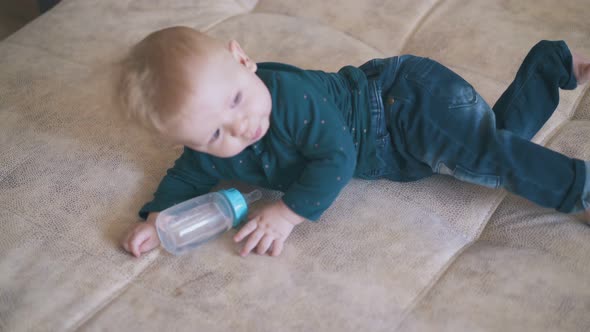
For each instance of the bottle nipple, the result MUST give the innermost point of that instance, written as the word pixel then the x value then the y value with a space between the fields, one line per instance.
pixel 252 196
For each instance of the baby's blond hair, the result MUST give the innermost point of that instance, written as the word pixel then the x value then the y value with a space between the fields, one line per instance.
pixel 154 77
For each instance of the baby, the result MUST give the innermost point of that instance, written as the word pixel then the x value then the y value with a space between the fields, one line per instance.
pixel 307 132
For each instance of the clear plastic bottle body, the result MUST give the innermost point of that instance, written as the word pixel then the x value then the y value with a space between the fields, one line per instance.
pixel 185 226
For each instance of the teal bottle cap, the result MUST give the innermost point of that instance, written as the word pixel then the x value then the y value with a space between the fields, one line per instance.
pixel 238 204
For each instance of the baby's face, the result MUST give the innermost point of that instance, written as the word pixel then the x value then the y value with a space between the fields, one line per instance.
pixel 228 108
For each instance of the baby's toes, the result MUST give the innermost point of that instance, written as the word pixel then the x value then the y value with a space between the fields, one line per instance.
pixel 581 66
pixel 585 77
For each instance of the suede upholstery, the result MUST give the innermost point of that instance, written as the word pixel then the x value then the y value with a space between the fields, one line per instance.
pixel 432 255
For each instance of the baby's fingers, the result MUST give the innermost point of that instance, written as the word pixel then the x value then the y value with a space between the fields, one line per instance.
pixel 136 241
pixel 246 229
pixel 125 241
pixel 264 244
pixel 252 242
pixel 277 247
pixel 149 244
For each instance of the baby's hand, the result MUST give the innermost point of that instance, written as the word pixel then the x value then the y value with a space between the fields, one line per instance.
pixel 268 227
pixel 142 237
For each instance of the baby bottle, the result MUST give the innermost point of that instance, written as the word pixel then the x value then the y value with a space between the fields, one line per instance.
pixel 184 226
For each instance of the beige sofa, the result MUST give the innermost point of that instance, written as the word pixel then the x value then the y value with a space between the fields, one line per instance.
pixel 433 255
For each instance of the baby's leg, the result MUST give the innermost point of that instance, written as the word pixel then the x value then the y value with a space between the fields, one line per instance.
pixel 532 97
pixel 464 142
pixel 450 128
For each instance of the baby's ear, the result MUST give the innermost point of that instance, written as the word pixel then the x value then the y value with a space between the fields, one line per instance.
pixel 239 55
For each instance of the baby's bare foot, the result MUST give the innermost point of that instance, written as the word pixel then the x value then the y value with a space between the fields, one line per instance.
pixel 581 68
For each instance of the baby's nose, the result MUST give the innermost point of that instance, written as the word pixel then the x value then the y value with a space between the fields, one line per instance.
pixel 239 128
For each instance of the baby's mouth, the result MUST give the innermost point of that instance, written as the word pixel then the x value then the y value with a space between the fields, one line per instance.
pixel 257 134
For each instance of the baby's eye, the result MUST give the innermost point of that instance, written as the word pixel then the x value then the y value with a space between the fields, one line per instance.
pixel 215 135
pixel 237 99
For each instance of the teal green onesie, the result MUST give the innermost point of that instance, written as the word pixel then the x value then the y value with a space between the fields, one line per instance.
pixel 320 136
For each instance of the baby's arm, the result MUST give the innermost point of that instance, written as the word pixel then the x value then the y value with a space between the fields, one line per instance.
pixel 268 228
pixel 314 127
pixel 142 237
pixel 183 181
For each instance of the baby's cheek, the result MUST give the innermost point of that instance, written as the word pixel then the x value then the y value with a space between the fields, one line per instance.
pixel 237 145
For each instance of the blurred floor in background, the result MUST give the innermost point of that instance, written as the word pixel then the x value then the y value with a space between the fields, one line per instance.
pixel 14 14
